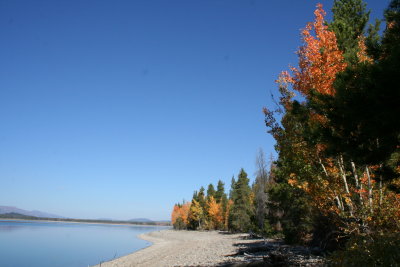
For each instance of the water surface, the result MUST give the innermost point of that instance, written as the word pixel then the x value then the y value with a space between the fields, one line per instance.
pixel 58 244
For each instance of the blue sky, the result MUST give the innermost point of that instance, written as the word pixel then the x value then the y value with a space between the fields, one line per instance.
pixel 119 109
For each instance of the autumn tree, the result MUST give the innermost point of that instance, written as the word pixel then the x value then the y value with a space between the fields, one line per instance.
pixel 339 148
pixel 179 216
pixel 215 213
pixel 196 215
pixel 222 199
pixel 320 59
pixel 301 184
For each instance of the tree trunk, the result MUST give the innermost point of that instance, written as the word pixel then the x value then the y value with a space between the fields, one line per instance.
pixel 358 184
pixel 369 189
pixel 346 186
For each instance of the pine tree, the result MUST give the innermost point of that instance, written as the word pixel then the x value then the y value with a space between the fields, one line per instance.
pixel 225 211
pixel 350 18
pixel 201 198
pixel 220 191
pixel 241 210
pixel 210 191
pixel 363 114
pixel 195 196
pixel 231 190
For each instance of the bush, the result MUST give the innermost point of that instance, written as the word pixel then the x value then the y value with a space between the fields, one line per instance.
pixel 382 249
pixel 179 224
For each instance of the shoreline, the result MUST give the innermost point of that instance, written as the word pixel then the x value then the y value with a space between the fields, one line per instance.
pixel 184 248
pixel 172 248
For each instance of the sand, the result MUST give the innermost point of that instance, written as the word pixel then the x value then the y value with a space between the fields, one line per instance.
pixel 184 248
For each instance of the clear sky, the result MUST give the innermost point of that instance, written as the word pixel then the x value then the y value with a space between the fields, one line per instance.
pixel 119 109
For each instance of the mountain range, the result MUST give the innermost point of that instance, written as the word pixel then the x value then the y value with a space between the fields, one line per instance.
pixel 35 213
pixel 40 214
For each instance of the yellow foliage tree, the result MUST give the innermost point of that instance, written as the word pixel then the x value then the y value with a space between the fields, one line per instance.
pixel 215 213
pixel 196 214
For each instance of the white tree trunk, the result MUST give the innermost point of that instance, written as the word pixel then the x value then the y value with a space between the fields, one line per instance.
pixel 369 189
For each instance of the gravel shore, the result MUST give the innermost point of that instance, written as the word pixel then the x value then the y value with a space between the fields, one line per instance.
pixel 184 248
pixel 195 248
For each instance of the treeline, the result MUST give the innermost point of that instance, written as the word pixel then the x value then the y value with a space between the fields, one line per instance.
pixel 14 215
pixel 242 210
pixel 336 181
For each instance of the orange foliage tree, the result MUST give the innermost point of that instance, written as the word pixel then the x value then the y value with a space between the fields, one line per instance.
pixel 319 58
pixel 179 215
pixel 215 213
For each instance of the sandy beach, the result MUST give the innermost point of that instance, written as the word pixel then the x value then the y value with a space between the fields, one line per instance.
pixel 184 248
pixel 195 248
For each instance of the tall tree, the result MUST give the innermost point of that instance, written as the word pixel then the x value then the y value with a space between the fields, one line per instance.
pixel 215 214
pixel 196 215
pixel 241 210
pixel 231 190
pixel 220 191
pixel 260 188
pixel 350 18
pixel 210 191
pixel 201 198
pixel 335 147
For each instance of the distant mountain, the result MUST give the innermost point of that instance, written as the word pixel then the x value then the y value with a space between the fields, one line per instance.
pixel 141 220
pixel 34 213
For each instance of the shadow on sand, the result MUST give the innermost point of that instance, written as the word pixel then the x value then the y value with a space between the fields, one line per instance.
pixel 271 253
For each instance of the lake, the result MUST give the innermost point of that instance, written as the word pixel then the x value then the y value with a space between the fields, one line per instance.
pixel 58 244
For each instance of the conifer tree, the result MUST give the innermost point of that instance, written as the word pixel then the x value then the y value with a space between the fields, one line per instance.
pixel 231 190
pixel 225 211
pixel 201 198
pixel 241 210
pixel 210 191
pixel 350 18
pixel 220 191
pixel 195 196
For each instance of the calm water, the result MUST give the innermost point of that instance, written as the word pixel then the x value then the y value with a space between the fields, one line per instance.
pixel 48 244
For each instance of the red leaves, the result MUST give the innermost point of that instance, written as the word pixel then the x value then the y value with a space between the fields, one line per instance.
pixel 319 58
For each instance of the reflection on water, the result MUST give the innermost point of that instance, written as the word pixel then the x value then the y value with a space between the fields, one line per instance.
pixel 59 244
